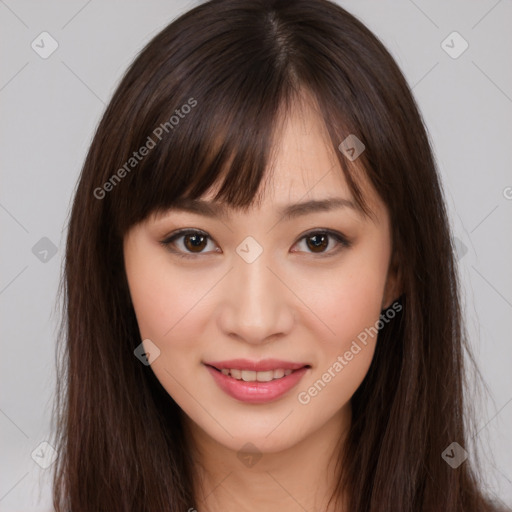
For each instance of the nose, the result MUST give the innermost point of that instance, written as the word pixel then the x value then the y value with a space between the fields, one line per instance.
pixel 257 308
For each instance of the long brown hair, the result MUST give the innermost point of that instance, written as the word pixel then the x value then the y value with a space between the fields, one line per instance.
pixel 203 98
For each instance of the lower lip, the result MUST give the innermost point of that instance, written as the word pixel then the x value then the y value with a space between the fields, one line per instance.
pixel 256 392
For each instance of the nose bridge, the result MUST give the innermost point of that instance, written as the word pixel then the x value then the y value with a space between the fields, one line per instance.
pixel 257 305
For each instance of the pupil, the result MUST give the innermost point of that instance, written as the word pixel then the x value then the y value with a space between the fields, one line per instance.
pixel 317 244
pixel 196 244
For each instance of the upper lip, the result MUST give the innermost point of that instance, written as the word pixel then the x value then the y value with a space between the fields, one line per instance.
pixel 257 366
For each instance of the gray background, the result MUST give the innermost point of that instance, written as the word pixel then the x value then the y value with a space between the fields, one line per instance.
pixel 50 108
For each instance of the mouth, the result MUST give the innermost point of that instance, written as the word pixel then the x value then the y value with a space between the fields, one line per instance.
pixel 254 376
pixel 265 370
pixel 256 382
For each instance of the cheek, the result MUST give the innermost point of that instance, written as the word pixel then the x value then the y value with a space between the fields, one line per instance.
pixel 153 300
pixel 349 302
pixel 168 306
pixel 350 297
pixel 156 294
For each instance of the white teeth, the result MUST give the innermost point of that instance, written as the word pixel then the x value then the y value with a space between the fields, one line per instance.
pixel 248 375
pixel 252 376
pixel 265 376
pixel 236 374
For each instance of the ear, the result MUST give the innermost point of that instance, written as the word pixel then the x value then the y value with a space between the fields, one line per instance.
pixel 394 285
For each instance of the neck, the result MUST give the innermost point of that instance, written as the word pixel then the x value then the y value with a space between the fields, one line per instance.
pixel 301 477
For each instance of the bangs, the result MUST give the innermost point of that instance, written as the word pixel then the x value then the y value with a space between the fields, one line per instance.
pixel 210 114
pixel 225 140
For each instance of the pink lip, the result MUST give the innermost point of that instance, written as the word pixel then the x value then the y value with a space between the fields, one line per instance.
pixel 257 392
pixel 256 366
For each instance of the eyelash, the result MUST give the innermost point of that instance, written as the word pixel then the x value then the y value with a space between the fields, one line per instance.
pixel 338 237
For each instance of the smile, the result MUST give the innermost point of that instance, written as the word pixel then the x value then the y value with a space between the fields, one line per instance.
pixel 252 376
pixel 256 382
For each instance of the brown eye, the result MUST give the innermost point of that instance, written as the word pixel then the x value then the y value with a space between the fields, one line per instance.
pixel 194 242
pixel 317 242
pixel 187 243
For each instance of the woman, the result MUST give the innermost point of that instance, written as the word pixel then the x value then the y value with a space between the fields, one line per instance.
pixel 261 295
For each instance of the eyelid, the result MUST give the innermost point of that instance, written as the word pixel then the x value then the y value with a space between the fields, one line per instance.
pixel 168 240
pixel 342 241
pixel 340 238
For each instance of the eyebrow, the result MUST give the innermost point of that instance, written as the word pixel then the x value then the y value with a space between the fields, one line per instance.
pixel 291 211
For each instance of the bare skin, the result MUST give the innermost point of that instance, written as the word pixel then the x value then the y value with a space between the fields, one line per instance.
pixel 291 303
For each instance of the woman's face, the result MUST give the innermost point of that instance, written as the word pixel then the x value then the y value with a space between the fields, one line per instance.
pixel 262 285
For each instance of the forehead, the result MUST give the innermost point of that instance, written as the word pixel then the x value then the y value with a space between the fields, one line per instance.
pixel 304 166
pixel 303 175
